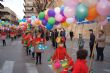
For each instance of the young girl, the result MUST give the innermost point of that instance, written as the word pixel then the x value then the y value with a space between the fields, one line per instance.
pixel 3 36
pixel 80 65
pixel 60 53
pixel 39 41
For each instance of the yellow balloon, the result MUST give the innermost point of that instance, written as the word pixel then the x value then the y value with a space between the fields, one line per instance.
pixel 65 24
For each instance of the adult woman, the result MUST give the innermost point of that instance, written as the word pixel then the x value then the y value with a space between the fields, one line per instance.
pixel 100 45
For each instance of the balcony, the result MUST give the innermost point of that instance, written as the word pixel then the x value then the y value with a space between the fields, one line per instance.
pixel 30 5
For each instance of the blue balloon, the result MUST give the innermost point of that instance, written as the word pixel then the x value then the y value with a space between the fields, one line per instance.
pixel 79 20
pixel 33 17
pixel 62 7
pixel 48 26
pixel 24 20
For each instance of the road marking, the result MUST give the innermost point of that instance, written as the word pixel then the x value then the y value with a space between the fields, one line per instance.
pixel 107 70
pixel 31 68
pixel 8 67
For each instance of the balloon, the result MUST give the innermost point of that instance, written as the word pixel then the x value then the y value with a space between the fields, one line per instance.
pixel 33 17
pixel 103 7
pixel 81 11
pixel 51 21
pixel 29 20
pixel 41 15
pixel 51 13
pixel 79 20
pixel 103 23
pixel 70 3
pixel 62 7
pixel 69 12
pixel 70 20
pixel 57 10
pixel 63 20
pixel 37 21
pixel 89 3
pixel 56 23
pixel 24 20
pixel 58 17
pixel 64 24
pixel 49 27
pixel 92 13
pixel 44 22
pixel 46 17
pixel 61 12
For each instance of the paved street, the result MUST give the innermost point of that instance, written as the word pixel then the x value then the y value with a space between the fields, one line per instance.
pixel 13 59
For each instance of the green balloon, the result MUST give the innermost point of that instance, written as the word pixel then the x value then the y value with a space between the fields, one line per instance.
pixel 81 11
pixel 41 15
pixel 51 20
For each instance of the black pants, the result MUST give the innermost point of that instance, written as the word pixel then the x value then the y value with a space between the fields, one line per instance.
pixel 100 55
pixel 4 43
pixel 91 50
pixel 38 58
pixel 33 54
pixel 71 37
pixel 28 51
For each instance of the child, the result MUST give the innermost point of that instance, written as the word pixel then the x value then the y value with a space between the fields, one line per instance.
pixel 60 53
pixel 80 65
pixel 3 36
pixel 80 42
pixel 39 41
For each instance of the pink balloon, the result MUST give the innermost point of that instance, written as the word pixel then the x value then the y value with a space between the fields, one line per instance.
pixel 58 17
pixel 70 3
pixel 103 23
pixel 69 12
pixel 103 7
pixel 46 17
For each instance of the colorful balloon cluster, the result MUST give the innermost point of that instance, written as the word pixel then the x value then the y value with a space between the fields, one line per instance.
pixel 72 11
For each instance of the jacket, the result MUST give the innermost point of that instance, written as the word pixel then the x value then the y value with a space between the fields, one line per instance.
pixel 92 39
pixel 80 67
pixel 60 54
pixel 101 41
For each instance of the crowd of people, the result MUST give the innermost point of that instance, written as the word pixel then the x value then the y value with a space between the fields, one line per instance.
pixel 32 39
pixel 10 33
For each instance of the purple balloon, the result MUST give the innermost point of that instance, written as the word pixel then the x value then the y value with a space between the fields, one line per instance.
pixel 44 22
pixel 51 13
pixel 57 23
pixel 62 13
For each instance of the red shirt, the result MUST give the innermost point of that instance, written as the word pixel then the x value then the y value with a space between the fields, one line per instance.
pixel 60 54
pixel 80 67
pixel 3 34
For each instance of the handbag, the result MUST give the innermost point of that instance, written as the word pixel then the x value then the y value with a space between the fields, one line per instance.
pixel 57 63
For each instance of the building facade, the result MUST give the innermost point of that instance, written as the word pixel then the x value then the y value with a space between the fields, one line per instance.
pixel 6 14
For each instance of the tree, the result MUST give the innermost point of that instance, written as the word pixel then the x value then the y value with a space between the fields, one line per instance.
pixel 41 5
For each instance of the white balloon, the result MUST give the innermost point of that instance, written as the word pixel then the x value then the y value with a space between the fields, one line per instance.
pixel 70 20
pixel 57 10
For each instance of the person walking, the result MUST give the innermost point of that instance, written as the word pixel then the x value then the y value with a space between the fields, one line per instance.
pixel 3 36
pixel 71 35
pixel 80 42
pixel 92 41
pixel 100 45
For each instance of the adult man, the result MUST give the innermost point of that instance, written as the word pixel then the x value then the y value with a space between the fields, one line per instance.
pixel 92 41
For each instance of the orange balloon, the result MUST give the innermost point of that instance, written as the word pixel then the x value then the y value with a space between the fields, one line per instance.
pixel 92 13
